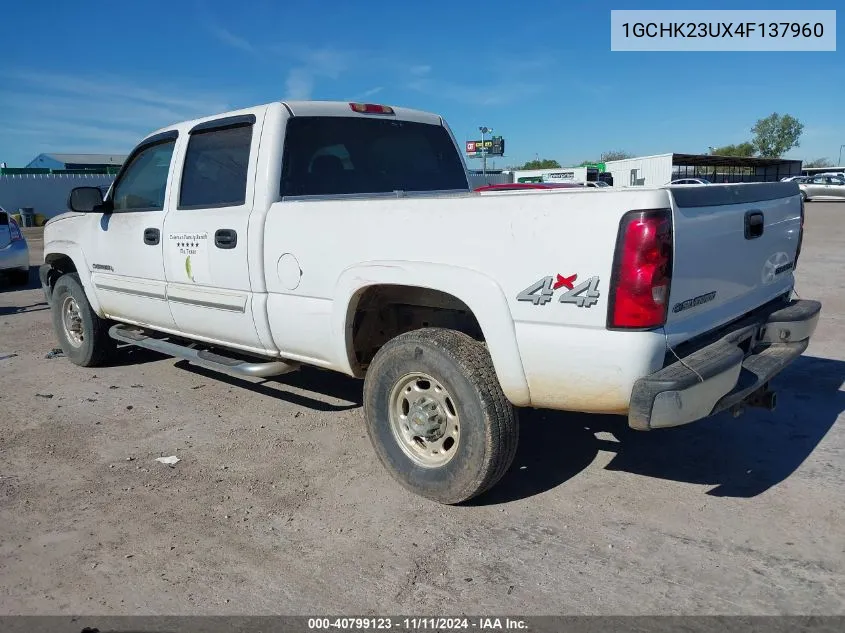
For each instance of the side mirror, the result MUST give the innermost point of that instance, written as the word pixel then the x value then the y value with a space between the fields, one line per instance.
pixel 85 199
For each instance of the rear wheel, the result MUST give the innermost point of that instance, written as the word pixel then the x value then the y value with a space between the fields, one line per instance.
pixel 437 417
pixel 83 336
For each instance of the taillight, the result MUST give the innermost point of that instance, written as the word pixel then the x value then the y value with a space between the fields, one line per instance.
pixel 15 230
pixel 371 108
pixel 800 237
pixel 642 270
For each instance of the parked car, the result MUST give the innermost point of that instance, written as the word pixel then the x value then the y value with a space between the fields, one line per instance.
pixel 287 234
pixel 793 178
pixel 596 184
pixel 822 187
pixel 524 186
pixel 14 251
pixel 691 181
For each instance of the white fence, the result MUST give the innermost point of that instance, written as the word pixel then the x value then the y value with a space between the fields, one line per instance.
pixel 46 193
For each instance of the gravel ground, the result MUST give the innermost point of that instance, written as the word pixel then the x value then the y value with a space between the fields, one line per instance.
pixel 278 505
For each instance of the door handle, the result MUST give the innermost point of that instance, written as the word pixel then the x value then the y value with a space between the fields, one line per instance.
pixel 225 238
pixel 754 223
pixel 152 237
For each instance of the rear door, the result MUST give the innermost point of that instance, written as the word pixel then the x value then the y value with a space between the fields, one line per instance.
pixel 205 234
pixel 734 250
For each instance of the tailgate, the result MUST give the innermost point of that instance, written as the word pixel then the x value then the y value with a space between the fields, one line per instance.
pixel 735 249
pixel 5 231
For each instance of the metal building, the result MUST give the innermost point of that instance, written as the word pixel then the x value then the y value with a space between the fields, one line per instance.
pixel 660 169
pixel 78 162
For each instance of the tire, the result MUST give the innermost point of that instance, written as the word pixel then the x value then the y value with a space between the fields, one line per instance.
pixel 407 372
pixel 18 277
pixel 83 336
pixel 804 197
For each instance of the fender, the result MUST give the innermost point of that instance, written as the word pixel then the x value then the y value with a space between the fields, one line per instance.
pixel 74 252
pixel 478 291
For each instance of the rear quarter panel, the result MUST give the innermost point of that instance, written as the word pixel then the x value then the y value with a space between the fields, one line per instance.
pixel 567 358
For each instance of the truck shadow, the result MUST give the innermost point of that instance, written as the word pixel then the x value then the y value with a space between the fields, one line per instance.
pixel 741 457
pixel 32 282
pixel 331 384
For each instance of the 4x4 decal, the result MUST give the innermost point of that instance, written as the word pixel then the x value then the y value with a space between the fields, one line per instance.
pixel 584 295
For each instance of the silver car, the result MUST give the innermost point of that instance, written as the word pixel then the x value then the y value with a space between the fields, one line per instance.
pixel 822 187
pixel 14 251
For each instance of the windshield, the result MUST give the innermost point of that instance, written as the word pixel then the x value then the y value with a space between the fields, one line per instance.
pixel 356 155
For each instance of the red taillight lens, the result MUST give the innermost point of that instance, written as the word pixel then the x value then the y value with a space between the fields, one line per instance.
pixel 371 108
pixel 642 270
pixel 15 230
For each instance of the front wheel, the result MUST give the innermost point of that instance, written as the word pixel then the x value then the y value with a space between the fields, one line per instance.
pixel 437 416
pixel 83 336
pixel 804 197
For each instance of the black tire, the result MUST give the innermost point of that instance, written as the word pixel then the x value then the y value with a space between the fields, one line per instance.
pixel 96 347
pixel 804 197
pixel 18 277
pixel 489 426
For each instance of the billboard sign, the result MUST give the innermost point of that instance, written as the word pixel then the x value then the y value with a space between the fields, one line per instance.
pixel 491 147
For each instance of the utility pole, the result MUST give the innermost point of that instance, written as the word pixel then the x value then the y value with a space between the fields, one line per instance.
pixel 484 130
pixel 839 162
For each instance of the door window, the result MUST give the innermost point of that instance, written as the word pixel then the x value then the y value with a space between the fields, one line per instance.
pixel 143 185
pixel 216 166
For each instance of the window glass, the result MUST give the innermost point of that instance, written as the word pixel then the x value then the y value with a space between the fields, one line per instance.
pixel 216 166
pixel 144 183
pixel 349 155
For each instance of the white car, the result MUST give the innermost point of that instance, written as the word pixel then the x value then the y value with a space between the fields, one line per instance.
pixel 595 184
pixel 690 181
pixel 346 236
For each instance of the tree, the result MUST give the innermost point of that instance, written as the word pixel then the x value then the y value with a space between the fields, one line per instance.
pixel 615 155
pixel 541 163
pixel 776 134
pixel 819 162
pixel 740 149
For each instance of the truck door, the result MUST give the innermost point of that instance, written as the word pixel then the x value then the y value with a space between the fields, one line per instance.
pixel 124 246
pixel 205 238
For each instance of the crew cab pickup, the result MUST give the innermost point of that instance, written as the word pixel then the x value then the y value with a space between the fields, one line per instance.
pixel 346 236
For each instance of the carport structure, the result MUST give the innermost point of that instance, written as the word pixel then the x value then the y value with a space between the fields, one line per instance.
pixel 718 169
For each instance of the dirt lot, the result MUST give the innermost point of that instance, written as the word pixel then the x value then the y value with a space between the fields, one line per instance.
pixel 279 506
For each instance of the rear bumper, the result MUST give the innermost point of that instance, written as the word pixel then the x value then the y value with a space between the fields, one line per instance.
pixel 14 256
pixel 725 372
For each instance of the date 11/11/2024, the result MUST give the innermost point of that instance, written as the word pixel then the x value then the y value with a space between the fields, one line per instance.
pixel 410 624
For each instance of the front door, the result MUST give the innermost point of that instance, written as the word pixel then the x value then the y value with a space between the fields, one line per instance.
pixel 205 233
pixel 124 246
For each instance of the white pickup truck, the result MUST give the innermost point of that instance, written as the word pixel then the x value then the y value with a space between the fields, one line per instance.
pixel 345 236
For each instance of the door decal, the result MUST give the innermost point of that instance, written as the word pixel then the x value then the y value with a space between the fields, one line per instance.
pixel 189 252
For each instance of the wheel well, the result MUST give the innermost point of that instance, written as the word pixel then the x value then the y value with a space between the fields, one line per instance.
pixel 60 264
pixel 384 312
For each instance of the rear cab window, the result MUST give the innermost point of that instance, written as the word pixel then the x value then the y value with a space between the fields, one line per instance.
pixel 216 164
pixel 355 155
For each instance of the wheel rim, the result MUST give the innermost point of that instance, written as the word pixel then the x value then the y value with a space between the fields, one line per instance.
pixel 424 420
pixel 72 322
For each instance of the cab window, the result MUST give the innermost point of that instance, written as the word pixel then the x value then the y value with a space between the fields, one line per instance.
pixel 143 184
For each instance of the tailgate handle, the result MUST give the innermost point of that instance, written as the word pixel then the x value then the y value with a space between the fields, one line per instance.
pixel 753 224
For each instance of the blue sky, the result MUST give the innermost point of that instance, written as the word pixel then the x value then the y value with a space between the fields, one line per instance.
pixel 543 76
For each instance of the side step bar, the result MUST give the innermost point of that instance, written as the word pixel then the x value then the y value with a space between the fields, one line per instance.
pixel 137 336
